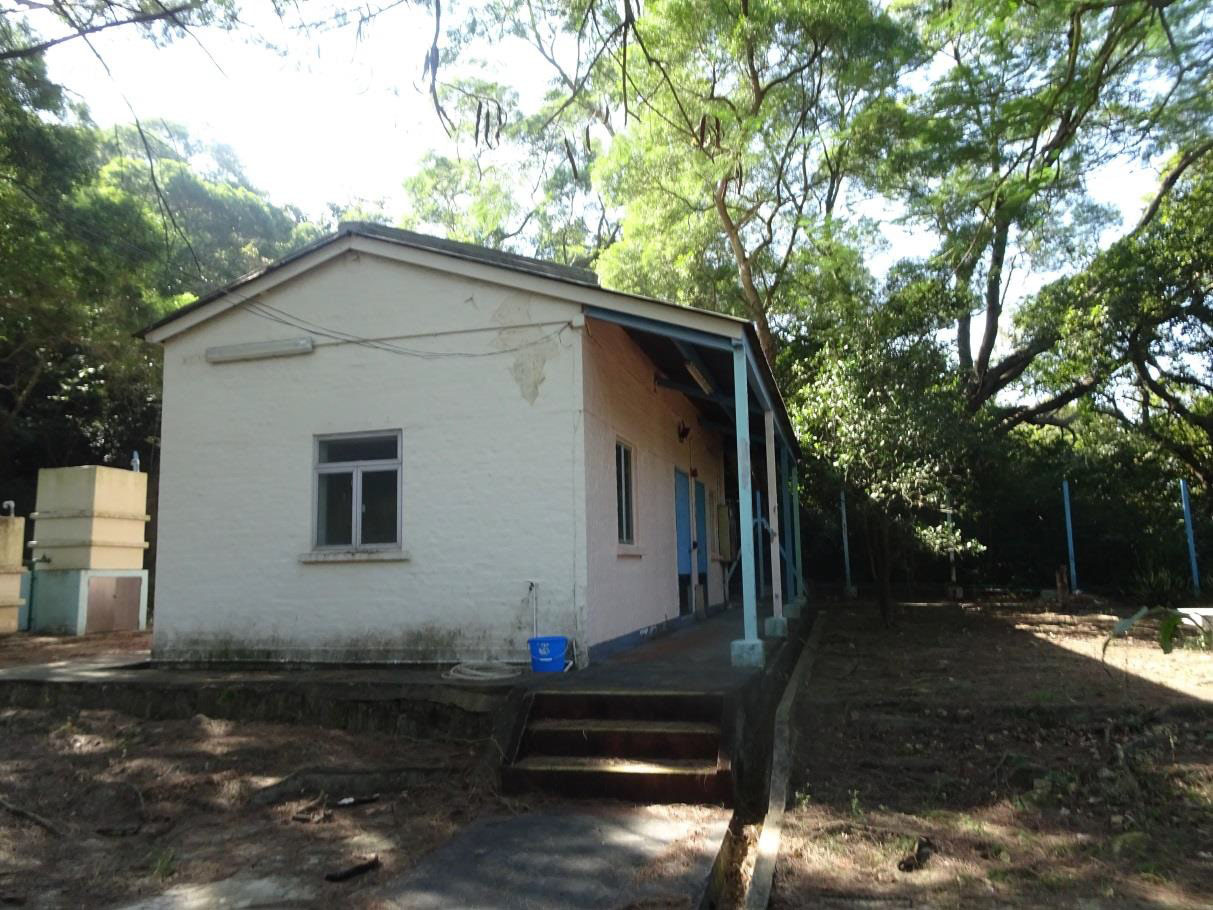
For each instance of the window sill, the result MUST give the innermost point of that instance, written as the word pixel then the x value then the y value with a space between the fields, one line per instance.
pixel 317 556
pixel 629 551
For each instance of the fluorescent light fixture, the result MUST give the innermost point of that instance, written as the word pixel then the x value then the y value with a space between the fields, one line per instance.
pixel 260 350
pixel 700 380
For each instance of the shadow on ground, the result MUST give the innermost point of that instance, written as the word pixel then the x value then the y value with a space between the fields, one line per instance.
pixel 128 809
pixel 1038 774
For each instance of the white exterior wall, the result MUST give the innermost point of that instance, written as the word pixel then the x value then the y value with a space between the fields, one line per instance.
pixel 493 473
pixel 634 588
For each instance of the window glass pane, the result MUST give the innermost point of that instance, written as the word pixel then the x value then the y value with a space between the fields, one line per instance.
pixel 335 510
pixel 619 499
pixel 367 448
pixel 623 492
pixel 379 507
pixel 628 494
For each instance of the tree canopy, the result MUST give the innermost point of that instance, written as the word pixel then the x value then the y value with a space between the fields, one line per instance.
pixel 744 157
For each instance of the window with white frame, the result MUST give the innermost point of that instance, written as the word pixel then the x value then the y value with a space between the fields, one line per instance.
pixel 358 491
pixel 625 491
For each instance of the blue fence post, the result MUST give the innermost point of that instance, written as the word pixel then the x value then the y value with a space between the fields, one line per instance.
pixel 1065 494
pixel 797 554
pixel 846 543
pixel 785 525
pixel 1187 503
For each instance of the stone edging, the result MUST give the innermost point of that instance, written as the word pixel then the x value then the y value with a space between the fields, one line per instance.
pixel 758 890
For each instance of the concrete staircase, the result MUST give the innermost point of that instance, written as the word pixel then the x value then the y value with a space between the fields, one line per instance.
pixel 656 747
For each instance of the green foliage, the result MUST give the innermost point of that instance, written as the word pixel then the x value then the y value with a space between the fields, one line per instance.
pixel 73 264
pixel 515 183
pixel 993 154
pixel 466 202
pixel 882 412
pixel 215 224
pixel 1171 629
pixel 718 163
pixel 1161 584
pixel 162 863
pixel 1139 322
pixel 91 250
pixel 742 143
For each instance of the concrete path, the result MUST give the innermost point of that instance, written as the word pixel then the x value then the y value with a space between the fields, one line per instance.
pixel 606 859
pixel 239 893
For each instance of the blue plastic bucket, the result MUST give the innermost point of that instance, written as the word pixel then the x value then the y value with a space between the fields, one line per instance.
pixel 547 653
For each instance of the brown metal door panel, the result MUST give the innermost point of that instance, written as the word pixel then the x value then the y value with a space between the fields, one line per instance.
pixel 113 603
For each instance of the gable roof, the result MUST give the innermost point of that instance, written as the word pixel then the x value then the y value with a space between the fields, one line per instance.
pixel 262 279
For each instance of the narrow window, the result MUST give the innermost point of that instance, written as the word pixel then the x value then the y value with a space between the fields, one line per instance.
pixel 358 491
pixel 625 487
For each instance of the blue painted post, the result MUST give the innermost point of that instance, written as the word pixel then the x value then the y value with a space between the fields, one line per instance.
pixel 796 551
pixel 1065 493
pixel 758 547
pixel 785 524
pixel 846 541
pixel 751 646
pixel 1187 502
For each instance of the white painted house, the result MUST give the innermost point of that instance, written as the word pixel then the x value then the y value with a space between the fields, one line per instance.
pixel 391 447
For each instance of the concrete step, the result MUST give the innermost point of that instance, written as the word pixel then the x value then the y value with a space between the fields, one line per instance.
pixel 615 765
pixel 654 780
pixel 618 704
pixel 622 738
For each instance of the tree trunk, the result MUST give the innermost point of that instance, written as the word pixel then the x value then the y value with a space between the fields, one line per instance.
pixel 982 388
pixel 745 273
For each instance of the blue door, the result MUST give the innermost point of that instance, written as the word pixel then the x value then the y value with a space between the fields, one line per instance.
pixel 682 526
pixel 682 521
pixel 701 530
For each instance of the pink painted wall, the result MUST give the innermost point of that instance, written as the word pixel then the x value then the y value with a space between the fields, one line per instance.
pixel 630 588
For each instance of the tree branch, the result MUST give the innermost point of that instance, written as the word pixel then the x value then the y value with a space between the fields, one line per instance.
pixel 82 30
pixel 1186 160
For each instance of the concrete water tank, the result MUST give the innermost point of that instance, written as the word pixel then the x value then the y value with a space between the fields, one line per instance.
pixel 12 543
pixel 88 547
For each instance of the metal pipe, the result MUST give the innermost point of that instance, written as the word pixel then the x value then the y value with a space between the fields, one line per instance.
pixel 846 543
pixel 1187 504
pixel 1065 493
pixel 951 550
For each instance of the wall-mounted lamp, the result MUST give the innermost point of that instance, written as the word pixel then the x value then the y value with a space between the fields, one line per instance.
pixel 260 350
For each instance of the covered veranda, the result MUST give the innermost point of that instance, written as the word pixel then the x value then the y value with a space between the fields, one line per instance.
pixel 731 384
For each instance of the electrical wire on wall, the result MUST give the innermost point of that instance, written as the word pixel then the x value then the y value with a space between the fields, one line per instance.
pixel 267 311
pixel 336 336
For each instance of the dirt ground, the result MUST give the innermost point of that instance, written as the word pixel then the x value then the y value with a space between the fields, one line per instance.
pixel 139 807
pixel 21 648
pixel 984 756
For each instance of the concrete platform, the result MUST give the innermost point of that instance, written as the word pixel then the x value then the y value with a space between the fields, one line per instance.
pixel 385 700
pixel 694 659
pixel 593 860
pixel 407 699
